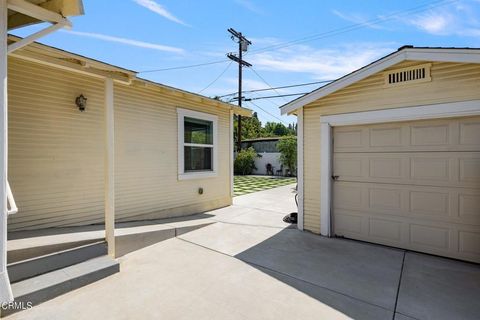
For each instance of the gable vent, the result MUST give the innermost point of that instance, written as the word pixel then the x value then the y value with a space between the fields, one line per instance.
pixel 414 74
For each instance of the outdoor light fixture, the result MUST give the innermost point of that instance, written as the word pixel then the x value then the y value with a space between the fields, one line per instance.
pixel 81 102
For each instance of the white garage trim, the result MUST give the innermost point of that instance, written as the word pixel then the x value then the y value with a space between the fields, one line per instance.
pixel 434 111
pixel 300 168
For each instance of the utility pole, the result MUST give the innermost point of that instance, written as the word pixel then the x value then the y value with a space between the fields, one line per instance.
pixel 243 44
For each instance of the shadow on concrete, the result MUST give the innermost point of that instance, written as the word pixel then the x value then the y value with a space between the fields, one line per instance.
pixel 360 280
pixel 99 227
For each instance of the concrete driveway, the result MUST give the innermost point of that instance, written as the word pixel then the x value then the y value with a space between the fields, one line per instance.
pixel 251 265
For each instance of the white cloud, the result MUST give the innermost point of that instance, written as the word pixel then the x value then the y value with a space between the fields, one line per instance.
pixel 130 42
pixel 438 23
pixel 321 64
pixel 459 18
pixel 249 5
pixel 159 9
pixel 357 19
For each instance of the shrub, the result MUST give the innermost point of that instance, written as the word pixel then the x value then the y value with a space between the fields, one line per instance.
pixel 245 161
pixel 288 149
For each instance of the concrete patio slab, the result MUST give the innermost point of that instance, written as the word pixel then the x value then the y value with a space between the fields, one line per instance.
pixel 248 264
pixel 340 265
pixel 279 199
pixel 349 306
pixel 261 218
pixel 189 282
pixel 439 288
pixel 230 239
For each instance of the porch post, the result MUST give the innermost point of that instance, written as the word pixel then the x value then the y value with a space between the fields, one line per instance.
pixel 109 169
pixel 5 289
pixel 300 168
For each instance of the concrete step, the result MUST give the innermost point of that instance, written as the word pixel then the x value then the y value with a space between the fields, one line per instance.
pixel 29 268
pixel 33 291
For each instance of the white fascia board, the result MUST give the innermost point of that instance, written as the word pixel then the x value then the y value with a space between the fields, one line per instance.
pixel 414 54
pixel 444 55
pixel 344 82
pixel 433 111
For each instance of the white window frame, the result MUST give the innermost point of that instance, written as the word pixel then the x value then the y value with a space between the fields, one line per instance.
pixel 181 114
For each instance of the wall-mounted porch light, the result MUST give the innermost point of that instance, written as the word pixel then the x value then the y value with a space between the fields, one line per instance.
pixel 81 102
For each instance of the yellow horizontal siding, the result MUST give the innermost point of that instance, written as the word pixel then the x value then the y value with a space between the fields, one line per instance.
pixel 146 166
pixel 56 153
pixel 451 82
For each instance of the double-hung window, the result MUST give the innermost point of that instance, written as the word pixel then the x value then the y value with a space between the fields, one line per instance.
pixel 197 149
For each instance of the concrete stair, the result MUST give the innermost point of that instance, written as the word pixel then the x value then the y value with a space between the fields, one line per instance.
pixel 45 277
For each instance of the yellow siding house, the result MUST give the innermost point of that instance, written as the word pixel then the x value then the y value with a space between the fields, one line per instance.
pixel 171 149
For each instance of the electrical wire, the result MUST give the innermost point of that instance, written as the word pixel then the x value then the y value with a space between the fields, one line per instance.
pixel 282 87
pixel 356 26
pixel 216 79
pixel 268 84
pixel 185 67
pixel 270 114
pixel 280 96
pixel 334 32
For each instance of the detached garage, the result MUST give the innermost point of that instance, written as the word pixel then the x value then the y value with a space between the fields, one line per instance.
pixel 390 153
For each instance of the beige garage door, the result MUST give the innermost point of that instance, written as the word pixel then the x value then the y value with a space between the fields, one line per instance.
pixel 413 185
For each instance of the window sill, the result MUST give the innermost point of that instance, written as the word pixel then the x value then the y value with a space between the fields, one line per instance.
pixel 197 175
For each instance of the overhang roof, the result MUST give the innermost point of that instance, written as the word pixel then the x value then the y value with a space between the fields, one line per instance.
pixel 434 54
pixel 38 52
pixel 65 8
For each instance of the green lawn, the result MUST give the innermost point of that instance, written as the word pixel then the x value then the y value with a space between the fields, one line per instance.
pixel 248 184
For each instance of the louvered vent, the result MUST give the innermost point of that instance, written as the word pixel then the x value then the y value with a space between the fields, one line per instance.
pixel 414 74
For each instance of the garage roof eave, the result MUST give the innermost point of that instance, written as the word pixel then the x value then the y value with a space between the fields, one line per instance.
pixel 461 55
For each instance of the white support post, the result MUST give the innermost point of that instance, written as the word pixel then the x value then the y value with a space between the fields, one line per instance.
pixel 325 178
pixel 109 169
pixel 232 154
pixel 5 289
pixel 300 168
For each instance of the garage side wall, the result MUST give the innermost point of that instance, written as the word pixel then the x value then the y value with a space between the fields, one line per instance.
pixel 451 82
pixel 146 166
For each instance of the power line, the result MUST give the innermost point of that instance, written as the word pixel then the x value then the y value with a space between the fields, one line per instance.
pixel 265 81
pixel 277 96
pixel 281 87
pixel 272 115
pixel 185 67
pixel 216 79
pixel 355 26
pixel 270 97
pixel 334 32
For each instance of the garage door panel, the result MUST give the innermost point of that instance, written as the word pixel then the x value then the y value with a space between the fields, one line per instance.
pixel 430 236
pixel 469 205
pixel 468 243
pixel 458 169
pixel 413 185
pixel 446 239
pixel 469 132
pixel 459 134
pixel 456 205
pixel 431 135
pixel 387 229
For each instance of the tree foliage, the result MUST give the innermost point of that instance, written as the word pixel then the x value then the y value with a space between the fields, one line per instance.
pixel 288 149
pixel 252 128
pixel 245 161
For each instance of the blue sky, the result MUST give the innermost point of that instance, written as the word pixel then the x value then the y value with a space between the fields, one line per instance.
pixel 338 37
